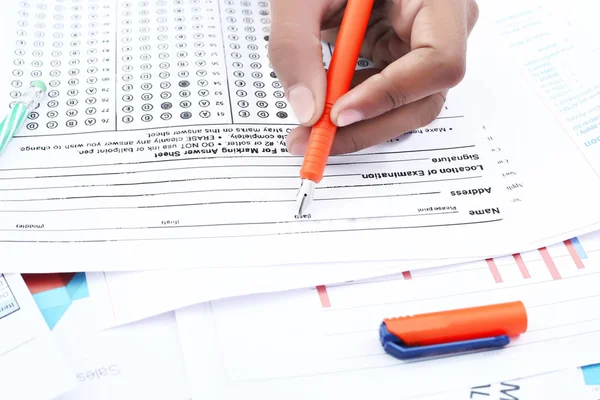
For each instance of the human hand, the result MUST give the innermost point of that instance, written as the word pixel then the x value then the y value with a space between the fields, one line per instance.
pixel 419 48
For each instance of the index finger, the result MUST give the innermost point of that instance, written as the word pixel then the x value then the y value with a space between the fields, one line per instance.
pixel 438 32
pixel 296 55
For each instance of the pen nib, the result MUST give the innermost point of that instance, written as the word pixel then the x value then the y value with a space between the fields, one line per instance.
pixel 305 195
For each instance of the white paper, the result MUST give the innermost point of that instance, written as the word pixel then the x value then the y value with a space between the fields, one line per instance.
pixel 305 343
pixel 141 360
pixel 592 393
pixel 123 297
pixel 31 364
pixel 558 385
pixel 558 62
pixel 109 172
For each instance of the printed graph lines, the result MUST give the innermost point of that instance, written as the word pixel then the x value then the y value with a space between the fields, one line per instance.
pixel 576 251
pixel 494 270
pixel 573 246
pixel 549 263
pixel 522 267
pixel 324 296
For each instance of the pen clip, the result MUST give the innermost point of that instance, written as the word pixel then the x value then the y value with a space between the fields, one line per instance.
pixel 394 346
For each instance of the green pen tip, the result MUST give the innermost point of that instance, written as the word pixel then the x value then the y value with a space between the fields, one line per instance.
pixel 40 85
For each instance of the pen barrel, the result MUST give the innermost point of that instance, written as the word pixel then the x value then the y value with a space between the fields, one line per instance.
pixel 347 48
pixel 31 98
pixel 319 147
pixel 339 78
pixel 12 123
pixel 462 324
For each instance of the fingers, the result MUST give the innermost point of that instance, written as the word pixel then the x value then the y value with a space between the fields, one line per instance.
pixel 295 53
pixel 374 131
pixel 389 126
pixel 472 14
pixel 363 74
pixel 297 141
pixel 381 44
pixel 437 32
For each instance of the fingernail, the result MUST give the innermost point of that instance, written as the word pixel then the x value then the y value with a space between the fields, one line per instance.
pixel 303 103
pixel 348 117
pixel 298 147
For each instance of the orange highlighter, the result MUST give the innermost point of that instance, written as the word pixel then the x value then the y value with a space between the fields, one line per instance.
pixel 454 331
pixel 339 78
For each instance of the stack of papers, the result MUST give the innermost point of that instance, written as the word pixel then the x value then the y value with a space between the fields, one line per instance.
pixel 150 243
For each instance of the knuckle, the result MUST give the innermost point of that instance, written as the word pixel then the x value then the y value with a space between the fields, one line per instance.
pixel 354 143
pixel 395 95
pixel 280 49
pixel 432 109
pixel 288 42
pixel 473 13
pixel 452 69
pixel 349 142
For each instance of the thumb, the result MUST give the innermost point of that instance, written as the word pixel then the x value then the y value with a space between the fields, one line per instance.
pixel 296 55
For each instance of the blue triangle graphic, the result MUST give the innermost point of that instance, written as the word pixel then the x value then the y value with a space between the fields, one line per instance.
pixel 54 303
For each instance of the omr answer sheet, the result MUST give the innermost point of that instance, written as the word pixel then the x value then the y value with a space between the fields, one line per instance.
pixel 324 342
pixel 31 363
pixel 161 144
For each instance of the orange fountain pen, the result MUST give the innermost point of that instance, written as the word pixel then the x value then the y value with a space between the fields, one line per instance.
pixel 339 78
